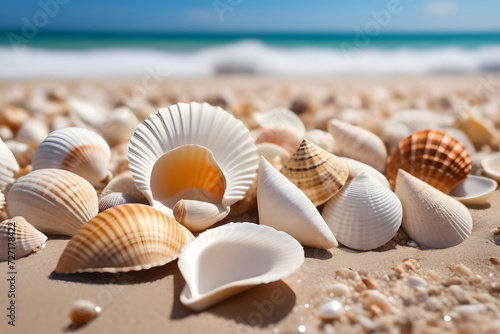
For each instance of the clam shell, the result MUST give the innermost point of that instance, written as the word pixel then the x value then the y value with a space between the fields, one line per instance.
pixel 9 168
pixel 364 215
pixel 199 128
pixel 54 201
pixel 280 119
pixel 124 238
pixel 77 150
pixel 27 239
pixel 434 157
pixel 114 199
pixel 355 168
pixel 319 174
pixel 359 144
pixel 475 190
pixel 285 207
pixel 431 217
pixel 491 165
pixel 230 259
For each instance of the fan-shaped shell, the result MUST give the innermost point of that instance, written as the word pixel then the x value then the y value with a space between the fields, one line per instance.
pixel 204 129
pixel 230 259
pixel 26 238
pixel 431 218
pixel 114 199
pixel 280 118
pixel 364 215
pixel 286 208
pixel 124 238
pixel 475 190
pixel 9 168
pixel 355 168
pixel 78 150
pixel 54 201
pixel 432 156
pixel 319 174
pixel 357 143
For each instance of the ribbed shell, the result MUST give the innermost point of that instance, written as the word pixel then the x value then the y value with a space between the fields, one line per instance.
pixel 54 201
pixel 432 156
pixel 115 199
pixel 356 167
pixel 123 183
pixel 78 150
pixel 232 258
pixel 124 238
pixel 431 218
pixel 319 174
pixel 226 137
pixel 27 238
pixel 364 215
pixel 280 119
pixel 9 168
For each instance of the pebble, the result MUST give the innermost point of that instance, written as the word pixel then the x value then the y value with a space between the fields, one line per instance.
pixel 415 281
pixel 331 310
pixel 468 310
pixel 338 289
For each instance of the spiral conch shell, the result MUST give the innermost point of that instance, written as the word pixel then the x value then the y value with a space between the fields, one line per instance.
pixel 432 156
pixel 196 153
pixel 27 239
pixel 124 238
pixel 319 174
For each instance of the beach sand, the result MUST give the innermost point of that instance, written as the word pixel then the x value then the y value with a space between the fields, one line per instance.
pixel 148 301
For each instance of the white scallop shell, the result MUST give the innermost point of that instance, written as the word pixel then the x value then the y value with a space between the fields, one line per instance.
pixel 359 144
pixel 9 168
pixel 229 141
pixel 364 215
pixel 491 165
pixel 26 238
pixel 280 118
pixel 78 150
pixel 475 190
pixel 431 217
pixel 286 208
pixel 232 258
pixel 355 168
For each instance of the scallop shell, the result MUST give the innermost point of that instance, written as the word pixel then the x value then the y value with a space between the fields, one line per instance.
pixel 124 238
pixel 9 168
pixel 54 201
pixel 475 190
pixel 434 157
pixel 491 165
pixel 359 144
pixel 286 208
pixel 221 159
pixel 78 150
pixel 280 119
pixel 355 168
pixel 364 215
pixel 27 239
pixel 114 199
pixel 431 218
pixel 319 174
pixel 230 259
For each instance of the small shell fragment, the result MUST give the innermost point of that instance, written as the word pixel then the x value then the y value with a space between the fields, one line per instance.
pixel 83 311
pixel 331 310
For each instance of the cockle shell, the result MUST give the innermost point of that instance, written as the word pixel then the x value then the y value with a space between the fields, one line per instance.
pixel 54 201
pixel 232 258
pixel 124 238
pixel 114 199
pixel 78 150
pixel 359 144
pixel 192 152
pixel 9 168
pixel 319 174
pixel 434 157
pixel 26 238
pixel 491 165
pixel 286 208
pixel 280 119
pixel 364 215
pixel 355 168
pixel 431 218
pixel 83 311
pixel 475 190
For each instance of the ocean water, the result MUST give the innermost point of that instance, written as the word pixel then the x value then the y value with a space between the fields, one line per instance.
pixel 73 56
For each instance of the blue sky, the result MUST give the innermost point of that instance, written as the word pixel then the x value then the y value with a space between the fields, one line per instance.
pixel 251 15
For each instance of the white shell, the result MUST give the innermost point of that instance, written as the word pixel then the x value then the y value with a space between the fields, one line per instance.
pixel 86 114
pixel 2 201
pixel 119 126
pixel 78 150
pixel 321 138
pixel 271 151
pixel 331 310
pixel 26 238
pixel 229 141
pixel 491 165
pixel 286 208
pixel 280 119
pixel 32 133
pixel 355 168
pixel 475 190
pixel 364 215
pixel 22 151
pixel 232 258
pixel 431 217
pixel 359 144
pixel 123 183
pixel 9 168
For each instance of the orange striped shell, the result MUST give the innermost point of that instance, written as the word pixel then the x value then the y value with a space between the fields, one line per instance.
pixel 432 156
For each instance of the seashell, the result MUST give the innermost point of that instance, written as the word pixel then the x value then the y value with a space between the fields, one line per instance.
pixel 60 122
pixel 319 174
pixel 124 238
pixel 2 201
pixel 364 215
pixel 433 156
pixel 192 152
pixel 6 133
pixel 27 239
pixel 115 199
pixel 14 117
pixel 232 258
pixel 475 190
pixel 281 118
pixel 285 207
pixel 32 133
pixel 83 311
pixel 124 183
pixel 431 218
pixel 359 144
pixel 491 165
pixel 321 138
pixel 23 152
pixel 355 168
pixel 119 126
pixel 85 114
pixel 331 310
pixel 281 137
pixel 78 150
pixel 480 131
pixel 198 215
pixel 271 151
pixel 9 168
pixel 54 201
